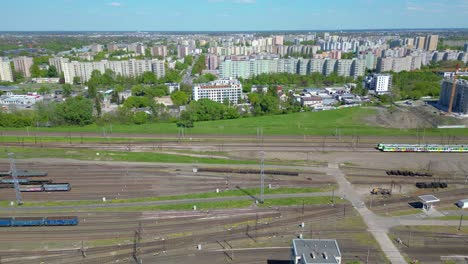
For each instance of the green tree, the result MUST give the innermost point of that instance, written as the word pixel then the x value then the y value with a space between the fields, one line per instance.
pixel 140 118
pixel 67 89
pixel 52 72
pixel 35 71
pixel 97 106
pixel 43 90
pixel 75 111
pixel 76 80
pixel 149 78
pixel 199 65
pixel 179 98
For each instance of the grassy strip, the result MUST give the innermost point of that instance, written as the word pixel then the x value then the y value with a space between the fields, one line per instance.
pixel 78 140
pixel 229 193
pixel 433 229
pixel 405 212
pixel 347 120
pixel 224 204
pixel 450 217
pixel 97 155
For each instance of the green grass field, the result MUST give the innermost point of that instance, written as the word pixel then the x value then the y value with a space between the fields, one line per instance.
pixel 229 193
pixel 225 204
pixel 347 120
pixel 86 154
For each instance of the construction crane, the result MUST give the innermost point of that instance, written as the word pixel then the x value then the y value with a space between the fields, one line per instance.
pixel 14 174
pixel 454 87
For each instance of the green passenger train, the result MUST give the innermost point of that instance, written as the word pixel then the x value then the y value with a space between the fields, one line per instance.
pixel 423 148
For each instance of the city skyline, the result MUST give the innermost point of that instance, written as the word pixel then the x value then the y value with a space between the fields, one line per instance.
pixel 231 15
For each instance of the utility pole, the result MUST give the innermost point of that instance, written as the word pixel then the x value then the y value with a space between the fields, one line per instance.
pixel 82 249
pixel 262 175
pixel 461 220
pixel 14 175
pixel 136 243
pixel 368 253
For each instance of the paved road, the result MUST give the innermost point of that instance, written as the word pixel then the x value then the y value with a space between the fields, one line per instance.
pixel 377 226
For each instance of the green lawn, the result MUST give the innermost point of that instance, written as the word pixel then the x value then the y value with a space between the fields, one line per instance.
pixel 230 193
pixel 225 204
pixel 86 154
pixel 347 120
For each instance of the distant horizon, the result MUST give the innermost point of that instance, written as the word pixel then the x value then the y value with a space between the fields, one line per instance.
pixel 260 30
pixel 231 15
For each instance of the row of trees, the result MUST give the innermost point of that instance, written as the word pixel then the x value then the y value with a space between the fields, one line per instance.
pixel 414 85
pixel 316 79
pixel 199 65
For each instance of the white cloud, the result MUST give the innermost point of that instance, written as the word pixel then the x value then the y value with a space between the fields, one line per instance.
pixel 246 1
pixel 115 4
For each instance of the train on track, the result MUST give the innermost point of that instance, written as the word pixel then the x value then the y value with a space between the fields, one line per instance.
pixel 423 148
pixel 38 186
pixel 39 221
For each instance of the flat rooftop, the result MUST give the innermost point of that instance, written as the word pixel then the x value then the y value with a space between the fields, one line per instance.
pixel 317 250
pixel 429 198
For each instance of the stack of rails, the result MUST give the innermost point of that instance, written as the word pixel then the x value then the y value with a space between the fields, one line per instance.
pixel 423 148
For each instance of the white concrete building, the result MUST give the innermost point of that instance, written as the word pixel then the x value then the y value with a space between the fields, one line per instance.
pixel 219 90
pixel 128 68
pixel 23 64
pixel 58 63
pixel 381 83
pixel 6 74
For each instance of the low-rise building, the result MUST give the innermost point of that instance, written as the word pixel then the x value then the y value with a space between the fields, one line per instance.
pixel 173 87
pixel 315 251
pixel 45 80
pixel 311 101
pixel 219 90
pixel 379 83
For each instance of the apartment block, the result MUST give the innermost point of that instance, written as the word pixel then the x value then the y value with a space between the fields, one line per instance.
pixel 128 68
pixel 219 90
pixel 460 101
pixel 6 74
pixel 58 63
pixel 23 64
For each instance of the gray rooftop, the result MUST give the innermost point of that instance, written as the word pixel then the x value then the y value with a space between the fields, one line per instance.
pixel 429 198
pixel 8 88
pixel 317 250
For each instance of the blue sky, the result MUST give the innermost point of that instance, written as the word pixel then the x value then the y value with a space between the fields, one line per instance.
pixel 231 14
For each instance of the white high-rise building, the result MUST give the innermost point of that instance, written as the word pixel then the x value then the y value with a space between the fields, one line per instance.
pixel 381 83
pixel 128 68
pixel 219 90
pixel 6 74
pixel 58 63
pixel 23 64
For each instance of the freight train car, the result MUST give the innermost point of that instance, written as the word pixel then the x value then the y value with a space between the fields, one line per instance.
pixel 56 187
pixel 31 188
pixel 11 180
pixel 423 148
pixel 39 221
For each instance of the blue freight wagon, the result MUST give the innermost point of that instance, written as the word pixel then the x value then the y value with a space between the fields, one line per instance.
pixel 61 221
pixel 27 221
pixel 5 221
pixel 39 221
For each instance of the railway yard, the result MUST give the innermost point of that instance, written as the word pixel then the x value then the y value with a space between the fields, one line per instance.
pixel 195 212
